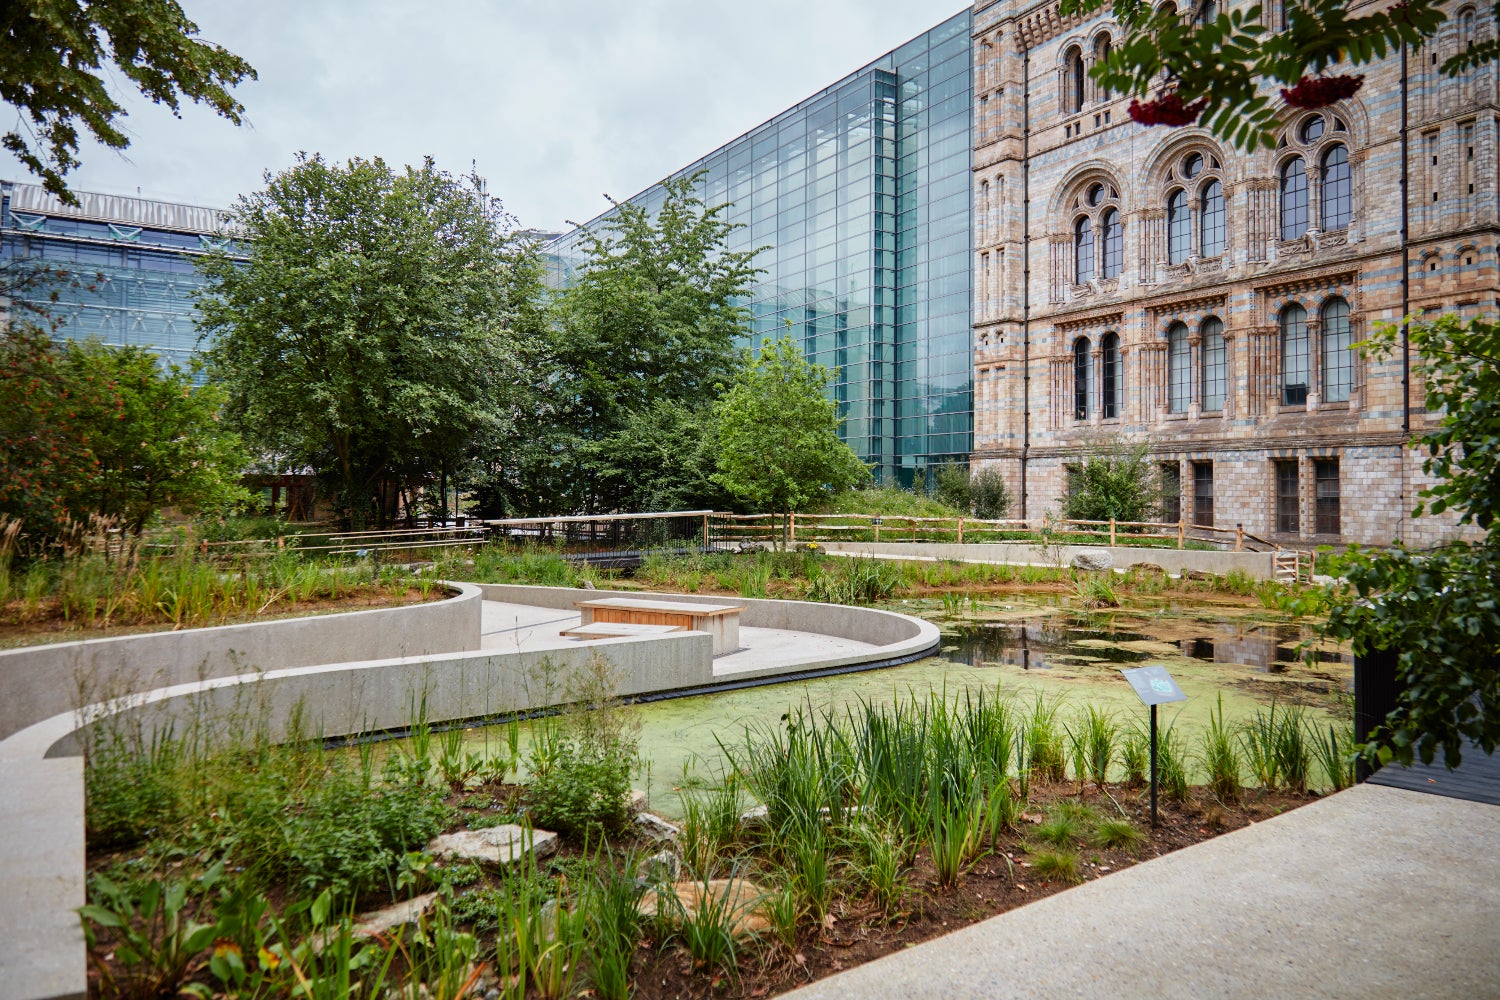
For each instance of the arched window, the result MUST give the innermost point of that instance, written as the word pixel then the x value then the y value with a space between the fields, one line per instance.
pixel 1075 81
pixel 1083 379
pixel 1179 370
pixel 1102 50
pixel 1114 376
pixel 1211 220
pixel 1114 243
pixel 1179 227
pixel 1338 371
pixel 1293 355
pixel 1215 365
pixel 1466 29
pixel 1334 175
pixel 1083 250
pixel 1293 199
pixel 1208 12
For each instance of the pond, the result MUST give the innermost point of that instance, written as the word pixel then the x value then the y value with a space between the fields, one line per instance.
pixel 1025 648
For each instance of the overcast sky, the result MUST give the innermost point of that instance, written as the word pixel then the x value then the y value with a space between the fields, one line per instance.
pixel 555 101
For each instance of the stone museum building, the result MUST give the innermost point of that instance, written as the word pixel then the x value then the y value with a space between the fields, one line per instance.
pixel 1006 270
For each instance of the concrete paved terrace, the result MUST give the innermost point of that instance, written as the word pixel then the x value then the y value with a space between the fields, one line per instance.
pixel 510 626
pixel 1376 892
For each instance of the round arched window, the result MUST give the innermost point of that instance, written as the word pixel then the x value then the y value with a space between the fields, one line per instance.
pixel 1312 129
pixel 1193 165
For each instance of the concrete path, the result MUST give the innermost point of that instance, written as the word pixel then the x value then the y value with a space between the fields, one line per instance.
pixel 1371 893
pixel 506 627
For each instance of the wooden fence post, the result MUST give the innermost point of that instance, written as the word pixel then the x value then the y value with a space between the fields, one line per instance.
pixel 875 522
pixel 960 531
pixel 1239 538
pixel 792 529
pixel 1111 531
pixel 1181 531
pixel 705 532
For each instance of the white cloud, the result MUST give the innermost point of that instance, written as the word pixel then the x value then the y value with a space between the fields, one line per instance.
pixel 555 103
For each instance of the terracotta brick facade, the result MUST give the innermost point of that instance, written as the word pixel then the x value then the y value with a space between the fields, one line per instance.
pixel 1121 257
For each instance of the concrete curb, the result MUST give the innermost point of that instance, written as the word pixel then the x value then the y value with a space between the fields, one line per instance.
pixel 1257 565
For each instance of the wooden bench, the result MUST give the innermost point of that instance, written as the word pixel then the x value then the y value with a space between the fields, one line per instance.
pixel 722 621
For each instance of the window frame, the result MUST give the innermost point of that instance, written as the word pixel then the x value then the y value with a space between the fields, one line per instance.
pixel 1179 368
pixel 1327 503
pixel 1335 352
pixel 1294 393
pixel 1083 379
pixel 1294 214
pixel 1288 492
pixel 1112 396
pixel 1213 371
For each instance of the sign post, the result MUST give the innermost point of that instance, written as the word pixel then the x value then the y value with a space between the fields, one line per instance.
pixel 1154 686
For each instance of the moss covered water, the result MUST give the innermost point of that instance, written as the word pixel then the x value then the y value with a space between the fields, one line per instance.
pixel 1022 647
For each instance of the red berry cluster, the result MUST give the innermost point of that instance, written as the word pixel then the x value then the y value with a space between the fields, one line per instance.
pixel 1169 109
pixel 1321 91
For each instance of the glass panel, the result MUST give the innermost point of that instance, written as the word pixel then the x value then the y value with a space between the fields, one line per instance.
pixel 1335 185
pixel 1179 233
pixel 1114 244
pixel 1338 370
pixel 1211 220
pixel 1293 199
pixel 1203 494
pixel 1215 365
pixel 1114 376
pixel 1083 379
pixel 1179 374
pixel 1294 355
pixel 1287 498
pixel 1083 250
pixel 1326 506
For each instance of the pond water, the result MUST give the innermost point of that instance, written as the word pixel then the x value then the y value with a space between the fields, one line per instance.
pixel 1025 647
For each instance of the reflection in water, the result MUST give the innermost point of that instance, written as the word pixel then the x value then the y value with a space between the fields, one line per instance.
pixel 1043 644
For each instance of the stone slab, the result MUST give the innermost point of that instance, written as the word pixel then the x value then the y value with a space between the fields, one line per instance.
pixel 498 845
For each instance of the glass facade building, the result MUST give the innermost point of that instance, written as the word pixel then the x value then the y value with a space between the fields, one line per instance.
pixel 129 264
pixel 861 196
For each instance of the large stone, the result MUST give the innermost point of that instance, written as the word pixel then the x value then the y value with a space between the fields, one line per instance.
pixel 635 801
pixel 755 818
pixel 740 899
pixel 654 826
pixel 498 845
pixel 664 867
pixel 386 920
pixel 1093 559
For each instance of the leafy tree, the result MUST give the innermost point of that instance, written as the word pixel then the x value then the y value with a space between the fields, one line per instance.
pixel 54 58
pixel 155 436
pixel 1114 480
pixel 663 458
pixel 778 433
pixel 91 429
pixel 1235 71
pixel 1439 610
pixel 648 328
pixel 376 333
pixel 46 461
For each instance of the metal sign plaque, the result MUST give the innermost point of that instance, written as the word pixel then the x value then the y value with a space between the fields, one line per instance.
pixel 1153 685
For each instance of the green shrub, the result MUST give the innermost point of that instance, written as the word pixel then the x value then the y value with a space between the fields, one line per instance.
pixel 1115 480
pixel 576 787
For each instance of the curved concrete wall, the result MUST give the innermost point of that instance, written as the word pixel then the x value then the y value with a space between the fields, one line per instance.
pixel 880 628
pixel 40 681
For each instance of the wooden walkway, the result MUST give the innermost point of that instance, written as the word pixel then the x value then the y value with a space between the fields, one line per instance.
pixel 1477 778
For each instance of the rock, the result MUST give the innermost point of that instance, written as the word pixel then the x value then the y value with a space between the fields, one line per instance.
pixel 1149 569
pixel 589 585
pixel 1319 580
pixel 754 819
pixel 661 868
pixel 741 900
pixel 498 845
pixel 386 920
pixel 1093 559
pixel 654 826
pixel 635 802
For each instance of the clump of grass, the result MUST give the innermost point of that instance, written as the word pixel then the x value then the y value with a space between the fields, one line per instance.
pixel 1094 737
pixel 1060 831
pixel 1044 742
pixel 1061 866
pixel 1335 754
pixel 1219 756
pixel 1116 834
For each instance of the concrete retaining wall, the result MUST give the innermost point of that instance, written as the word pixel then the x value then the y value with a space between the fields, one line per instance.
pixel 1257 565
pixel 40 681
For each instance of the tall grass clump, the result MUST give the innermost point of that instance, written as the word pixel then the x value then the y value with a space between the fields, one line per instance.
pixel 1334 750
pixel 1219 755
pixel 1045 750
